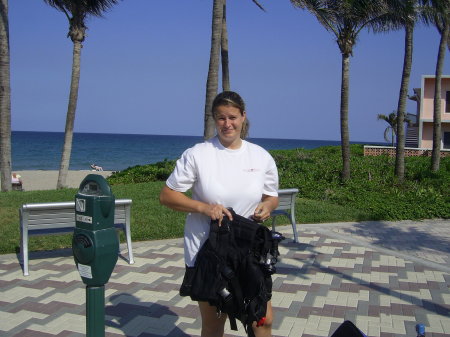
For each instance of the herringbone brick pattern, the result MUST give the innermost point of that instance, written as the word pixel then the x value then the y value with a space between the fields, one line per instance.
pixel 321 282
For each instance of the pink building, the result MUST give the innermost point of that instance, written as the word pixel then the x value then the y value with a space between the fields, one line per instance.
pixel 420 134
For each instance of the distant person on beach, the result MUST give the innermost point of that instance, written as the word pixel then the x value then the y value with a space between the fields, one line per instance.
pixel 16 181
pixel 224 171
pixel 96 167
pixel 16 178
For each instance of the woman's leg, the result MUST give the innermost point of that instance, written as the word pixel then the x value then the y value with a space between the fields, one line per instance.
pixel 266 329
pixel 212 326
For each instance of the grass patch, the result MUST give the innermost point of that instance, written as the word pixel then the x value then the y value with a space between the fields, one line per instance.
pixel 315 211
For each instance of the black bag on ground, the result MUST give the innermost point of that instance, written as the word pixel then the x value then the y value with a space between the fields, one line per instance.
pixel 233 270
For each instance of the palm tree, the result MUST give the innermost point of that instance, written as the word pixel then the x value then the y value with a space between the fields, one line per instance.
pixel 344 19
pixel 440 27
pixel 213 70
pixel 224 50
pixel 438 13
pixel 5 100
pixel 402 14
pixel 76 12
pixel 393 120
pixel 219 48
pixel 224 47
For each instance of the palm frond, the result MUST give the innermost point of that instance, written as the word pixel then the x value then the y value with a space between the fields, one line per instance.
pixel 399 14
pixel 386 133
pixel 82 7
pixel 346 18
pixel 436 12
pixel 322 10
pixel 259 5
pixel 382 117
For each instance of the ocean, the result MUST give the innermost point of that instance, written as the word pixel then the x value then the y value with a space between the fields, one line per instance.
pixel 114 152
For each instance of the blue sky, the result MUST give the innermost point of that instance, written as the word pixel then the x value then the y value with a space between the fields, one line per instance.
pixel 144 68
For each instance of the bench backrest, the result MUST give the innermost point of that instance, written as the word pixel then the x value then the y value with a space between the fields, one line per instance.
pixel 286 198
pixel 62 214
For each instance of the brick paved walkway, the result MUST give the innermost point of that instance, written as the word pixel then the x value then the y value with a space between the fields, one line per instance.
pixel 385 277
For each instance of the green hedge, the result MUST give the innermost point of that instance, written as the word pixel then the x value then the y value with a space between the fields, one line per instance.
pixel 143 173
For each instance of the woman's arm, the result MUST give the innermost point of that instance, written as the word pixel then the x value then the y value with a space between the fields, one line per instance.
pixel 265 207
pixel 178 201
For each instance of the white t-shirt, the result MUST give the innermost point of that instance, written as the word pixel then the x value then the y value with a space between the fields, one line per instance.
pixel 217 175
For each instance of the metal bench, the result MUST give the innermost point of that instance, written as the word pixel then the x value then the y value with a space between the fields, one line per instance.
pixel 286 207
pixel 59 218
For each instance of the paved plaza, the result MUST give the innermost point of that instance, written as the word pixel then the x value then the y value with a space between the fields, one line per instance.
pixel 384 276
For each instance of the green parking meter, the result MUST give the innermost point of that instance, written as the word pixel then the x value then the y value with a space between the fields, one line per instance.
pixel 95 246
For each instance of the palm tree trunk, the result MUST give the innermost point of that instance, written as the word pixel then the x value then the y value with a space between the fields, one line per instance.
pixel 436 153
pixel 345 139
pixel 70 119
pixel 401 108
pixel 5 100
pixel 224 50
pixel 213 70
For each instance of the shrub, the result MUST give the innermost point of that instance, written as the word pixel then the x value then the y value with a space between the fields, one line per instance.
pixel 143 173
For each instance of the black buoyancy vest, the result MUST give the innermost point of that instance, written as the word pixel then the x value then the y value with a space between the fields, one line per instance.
pixel 233 270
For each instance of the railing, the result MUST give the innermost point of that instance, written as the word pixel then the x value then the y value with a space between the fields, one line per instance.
pixel 371 150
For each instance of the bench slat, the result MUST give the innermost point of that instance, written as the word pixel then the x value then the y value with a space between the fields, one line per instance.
pixel 42 218
pixel 37 225
pixel 55 213
pixel 55 222
pixel 52 231
pixel 49 230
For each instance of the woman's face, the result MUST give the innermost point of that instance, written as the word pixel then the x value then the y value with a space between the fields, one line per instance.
pixel 229 122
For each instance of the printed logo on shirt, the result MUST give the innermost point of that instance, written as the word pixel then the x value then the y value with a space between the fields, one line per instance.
pixel 252 170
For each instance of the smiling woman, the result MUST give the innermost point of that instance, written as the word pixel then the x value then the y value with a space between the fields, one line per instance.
pixel 231 120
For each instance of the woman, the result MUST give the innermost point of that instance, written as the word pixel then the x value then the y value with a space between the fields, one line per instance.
pixel 225 171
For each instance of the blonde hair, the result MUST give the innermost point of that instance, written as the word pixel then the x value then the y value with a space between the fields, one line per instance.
pixel 231 98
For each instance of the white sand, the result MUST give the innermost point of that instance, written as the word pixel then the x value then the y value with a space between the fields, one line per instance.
pixel 33 180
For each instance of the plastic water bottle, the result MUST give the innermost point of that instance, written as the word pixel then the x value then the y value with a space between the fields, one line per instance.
pixel 420 328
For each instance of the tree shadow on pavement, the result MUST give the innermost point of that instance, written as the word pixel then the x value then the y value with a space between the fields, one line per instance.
pixel 407 237
pixel 314 261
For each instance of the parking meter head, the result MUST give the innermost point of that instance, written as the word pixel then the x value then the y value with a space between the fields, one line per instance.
pixel 94 203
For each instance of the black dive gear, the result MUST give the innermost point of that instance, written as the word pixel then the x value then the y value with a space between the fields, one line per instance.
pixel 233 270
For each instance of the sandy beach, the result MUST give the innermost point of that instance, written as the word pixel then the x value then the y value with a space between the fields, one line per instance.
pixel 33 180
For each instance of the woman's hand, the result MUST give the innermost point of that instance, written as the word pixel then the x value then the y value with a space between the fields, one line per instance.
pixel 264 208
pixel 216 212
pixel 262 212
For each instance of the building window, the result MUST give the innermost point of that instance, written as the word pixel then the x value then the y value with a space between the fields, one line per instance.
pixel 447 102
pixel 446 140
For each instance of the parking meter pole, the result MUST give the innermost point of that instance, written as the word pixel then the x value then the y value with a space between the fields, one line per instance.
pixel 95 311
